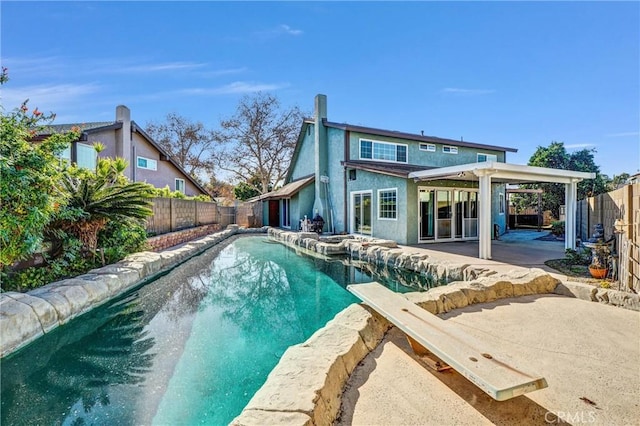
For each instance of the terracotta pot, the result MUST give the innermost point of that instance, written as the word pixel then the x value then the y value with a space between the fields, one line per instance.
pixel 598 272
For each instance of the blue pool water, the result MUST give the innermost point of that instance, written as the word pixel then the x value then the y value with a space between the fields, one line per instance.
pixel 190 348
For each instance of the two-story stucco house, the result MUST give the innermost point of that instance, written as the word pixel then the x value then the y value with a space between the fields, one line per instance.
pixel 147 161
pixel 393 185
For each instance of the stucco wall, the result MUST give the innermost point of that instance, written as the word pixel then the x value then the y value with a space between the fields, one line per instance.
pixel 304 165
pixel 395 230
pixel 166 172
pixel 335 139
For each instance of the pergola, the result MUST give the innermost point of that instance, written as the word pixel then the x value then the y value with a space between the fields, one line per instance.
pixel 487 172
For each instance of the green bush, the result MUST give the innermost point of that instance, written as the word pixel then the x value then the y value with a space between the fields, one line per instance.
pixel 118 239
pixel 557 227
pixel 575 257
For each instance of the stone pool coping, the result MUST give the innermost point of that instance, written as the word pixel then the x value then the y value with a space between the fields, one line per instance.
pixel 24 317
pixel 305 387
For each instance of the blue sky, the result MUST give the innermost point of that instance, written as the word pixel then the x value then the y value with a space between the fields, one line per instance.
pixel 507 73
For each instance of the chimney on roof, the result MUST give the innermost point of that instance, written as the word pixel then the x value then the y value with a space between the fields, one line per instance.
pixel 321 157
pixel 422 132
pixel 123 138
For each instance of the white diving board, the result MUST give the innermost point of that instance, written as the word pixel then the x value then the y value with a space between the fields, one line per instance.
pixel 492 372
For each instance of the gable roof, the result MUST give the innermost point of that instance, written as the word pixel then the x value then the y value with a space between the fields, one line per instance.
pixel 414 137
pixel 100 126
pixel 306 122
pixel 288 190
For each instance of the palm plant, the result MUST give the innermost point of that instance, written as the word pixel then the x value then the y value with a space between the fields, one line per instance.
pixel 94 198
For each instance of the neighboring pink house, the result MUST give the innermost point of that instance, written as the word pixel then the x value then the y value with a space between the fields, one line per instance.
pixel 148 162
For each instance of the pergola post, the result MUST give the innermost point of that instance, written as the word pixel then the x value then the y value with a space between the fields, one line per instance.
pixel 570 202
pixel 484 215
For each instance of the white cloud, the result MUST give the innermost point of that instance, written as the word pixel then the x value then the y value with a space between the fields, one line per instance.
pixel 48 97
pixel 579 145
pixel 160 67
pixel 466 92
pixel 622 134
pixel 237 87
pixel 221 72
pixel 288 30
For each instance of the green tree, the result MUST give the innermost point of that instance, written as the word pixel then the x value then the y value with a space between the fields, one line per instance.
pixel 243 191
pixel 555 156
pixel 96 197
pixel 29 172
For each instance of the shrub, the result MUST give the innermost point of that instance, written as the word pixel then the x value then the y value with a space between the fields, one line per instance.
pixel 557 227
pixel 120 238
pixel 575 257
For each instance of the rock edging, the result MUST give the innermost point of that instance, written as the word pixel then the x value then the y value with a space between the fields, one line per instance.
pixel 25 317
pixel 382 252
pixel 305 387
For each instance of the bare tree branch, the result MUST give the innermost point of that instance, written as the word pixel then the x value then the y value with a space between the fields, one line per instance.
pixel 257 142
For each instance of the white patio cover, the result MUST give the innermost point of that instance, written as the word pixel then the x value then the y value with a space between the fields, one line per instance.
pixel 487 172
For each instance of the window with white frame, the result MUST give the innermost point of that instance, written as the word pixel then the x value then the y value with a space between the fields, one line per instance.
pixel 450 149
pixel 486 157
pixel 427 147
pixel 388 203
pixel 383 151
pixel 501 206
pixel 147 163
pixel 180 185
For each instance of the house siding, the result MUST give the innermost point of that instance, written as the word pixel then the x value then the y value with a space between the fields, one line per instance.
pixel 382 228
pixel 304 162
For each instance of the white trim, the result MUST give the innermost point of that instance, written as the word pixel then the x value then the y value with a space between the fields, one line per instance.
pixel 373 141
pixel 150 161
pixel 501 203
pixel 429 147
pixel 184 187
pixel 378 203
pixel 505 171
pixel 452 149
pixel 352 217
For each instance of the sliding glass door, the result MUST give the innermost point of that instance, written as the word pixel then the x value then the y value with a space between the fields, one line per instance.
pixel 361 212
pixel 446 214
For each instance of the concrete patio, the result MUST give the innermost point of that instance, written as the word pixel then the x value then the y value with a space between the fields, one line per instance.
pixel 517 247
pixel 588 353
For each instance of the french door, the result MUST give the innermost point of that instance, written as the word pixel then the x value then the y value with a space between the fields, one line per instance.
pixel 447 214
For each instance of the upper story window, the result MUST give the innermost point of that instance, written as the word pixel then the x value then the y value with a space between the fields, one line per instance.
pixel 180 185
pixel 147 163
pixel 486 157
pixel 450 149
pixel 427 147
pixel 383 151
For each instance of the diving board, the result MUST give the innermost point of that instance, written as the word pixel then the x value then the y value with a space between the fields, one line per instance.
pixel 494 373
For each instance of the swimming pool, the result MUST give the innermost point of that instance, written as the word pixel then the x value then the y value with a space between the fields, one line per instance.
pixel 192 347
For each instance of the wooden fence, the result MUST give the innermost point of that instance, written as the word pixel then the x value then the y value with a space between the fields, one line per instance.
pixel 622 204
pixel 174 214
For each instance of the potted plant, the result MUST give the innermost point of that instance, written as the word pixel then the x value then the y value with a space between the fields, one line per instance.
pixel 599 261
